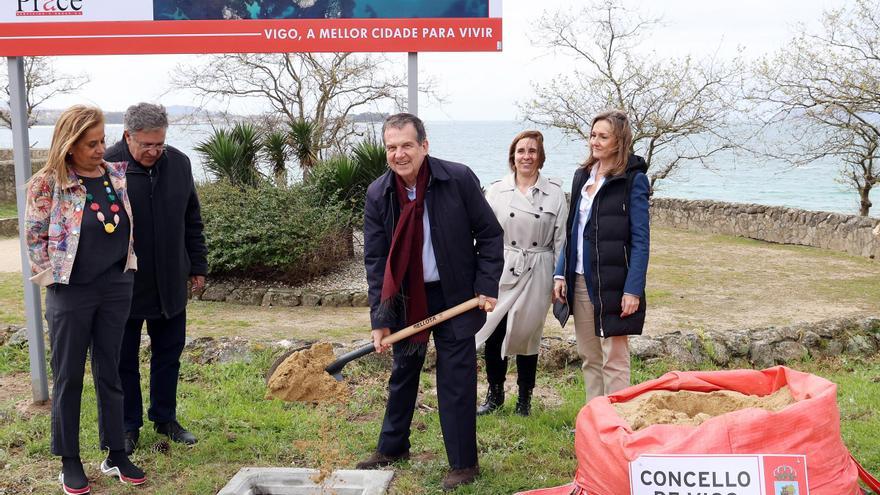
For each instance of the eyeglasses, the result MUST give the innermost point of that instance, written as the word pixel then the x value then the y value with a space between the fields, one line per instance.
pixel 160 147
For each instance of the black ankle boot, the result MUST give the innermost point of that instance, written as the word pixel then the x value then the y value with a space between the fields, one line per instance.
pixel 524 403
pixel 73 477
pixel 494 399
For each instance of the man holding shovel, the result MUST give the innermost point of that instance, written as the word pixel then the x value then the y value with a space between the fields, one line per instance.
pixel 431 241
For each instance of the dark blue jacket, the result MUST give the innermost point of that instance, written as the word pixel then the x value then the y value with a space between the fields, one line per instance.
pixel 168 231
pixel 615 248
pixel 467 240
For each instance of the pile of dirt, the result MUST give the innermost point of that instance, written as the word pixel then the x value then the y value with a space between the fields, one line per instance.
pixel 686 407
pixel 301 377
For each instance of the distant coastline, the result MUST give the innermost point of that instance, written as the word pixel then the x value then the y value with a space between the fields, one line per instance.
pixel 191 115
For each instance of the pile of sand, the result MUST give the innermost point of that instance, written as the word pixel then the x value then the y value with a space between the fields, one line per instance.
pixel 301 377
pixel 686 407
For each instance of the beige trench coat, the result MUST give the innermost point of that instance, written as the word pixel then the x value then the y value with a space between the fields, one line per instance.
pixel 534 234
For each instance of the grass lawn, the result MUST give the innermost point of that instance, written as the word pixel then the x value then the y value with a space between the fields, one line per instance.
pixel 8 209
pixel 695 281
pixel 225 407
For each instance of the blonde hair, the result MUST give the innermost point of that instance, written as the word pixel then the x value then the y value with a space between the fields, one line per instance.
pixel 621 130
pixel 69 128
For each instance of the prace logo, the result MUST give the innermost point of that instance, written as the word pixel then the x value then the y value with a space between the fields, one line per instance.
pixel 49 7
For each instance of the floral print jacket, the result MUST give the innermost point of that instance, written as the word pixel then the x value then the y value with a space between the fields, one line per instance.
pixel 53 216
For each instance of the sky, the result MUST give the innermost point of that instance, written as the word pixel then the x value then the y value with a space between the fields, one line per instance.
pixel 488 86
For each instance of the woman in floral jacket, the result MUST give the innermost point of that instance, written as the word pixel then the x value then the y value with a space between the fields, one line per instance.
pixel 78 230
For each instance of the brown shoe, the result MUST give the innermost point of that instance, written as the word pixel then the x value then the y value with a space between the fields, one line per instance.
pixel 378 459
pixel 457 477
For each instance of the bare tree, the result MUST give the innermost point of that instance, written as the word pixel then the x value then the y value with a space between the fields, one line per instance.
pixel 821 97
pixel 43 82
pixel 680 109
pixel 324 89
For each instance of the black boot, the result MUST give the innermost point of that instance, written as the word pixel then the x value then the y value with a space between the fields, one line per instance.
pixel 494 399
pixel 524 403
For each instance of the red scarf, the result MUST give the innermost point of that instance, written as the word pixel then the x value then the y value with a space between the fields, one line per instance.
pixel 404 265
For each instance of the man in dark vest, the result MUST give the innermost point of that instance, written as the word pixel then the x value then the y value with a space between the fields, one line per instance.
pixel 431 241
pixel 171 251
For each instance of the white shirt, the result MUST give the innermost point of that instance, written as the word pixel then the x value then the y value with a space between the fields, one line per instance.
pixel 429 262
pixel 584 210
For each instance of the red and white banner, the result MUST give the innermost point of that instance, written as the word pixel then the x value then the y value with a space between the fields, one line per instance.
pixel 99 27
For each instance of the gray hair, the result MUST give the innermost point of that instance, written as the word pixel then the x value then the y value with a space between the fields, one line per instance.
pixel 145 117
pixel 399 121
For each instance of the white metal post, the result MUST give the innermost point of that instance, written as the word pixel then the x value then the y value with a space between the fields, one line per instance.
pixel 21 152
pixel 412 101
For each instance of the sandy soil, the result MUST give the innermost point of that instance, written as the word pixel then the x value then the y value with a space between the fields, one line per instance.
pixel 688 407
pixel 16 389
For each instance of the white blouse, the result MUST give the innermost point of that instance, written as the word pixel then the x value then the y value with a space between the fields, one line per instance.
pixel 584 210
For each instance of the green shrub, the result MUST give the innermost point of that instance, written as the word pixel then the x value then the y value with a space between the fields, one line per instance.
pixel 269 232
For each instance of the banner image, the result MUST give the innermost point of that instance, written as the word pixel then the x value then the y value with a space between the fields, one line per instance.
pixel 317 9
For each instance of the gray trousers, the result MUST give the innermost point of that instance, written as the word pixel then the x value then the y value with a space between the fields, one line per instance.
pixel 87 318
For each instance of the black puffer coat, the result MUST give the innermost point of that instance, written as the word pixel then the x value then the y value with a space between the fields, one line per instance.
pixel 616 243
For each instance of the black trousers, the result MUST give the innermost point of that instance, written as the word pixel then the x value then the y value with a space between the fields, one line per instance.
pixel 496 365
pixel 167 339
pixel 456 392
pixel 87 318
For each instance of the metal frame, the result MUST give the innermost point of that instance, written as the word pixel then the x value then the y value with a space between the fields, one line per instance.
pixel 22 157
pixel 412 100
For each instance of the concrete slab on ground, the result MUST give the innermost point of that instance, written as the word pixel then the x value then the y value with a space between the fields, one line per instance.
pixel 301 481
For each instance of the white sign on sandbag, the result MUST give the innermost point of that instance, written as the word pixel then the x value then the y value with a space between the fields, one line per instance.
pixel 758 474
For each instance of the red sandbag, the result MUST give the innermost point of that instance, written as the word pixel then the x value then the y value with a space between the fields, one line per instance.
pixel 605 444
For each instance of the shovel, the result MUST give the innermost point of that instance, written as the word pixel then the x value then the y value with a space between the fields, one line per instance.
pixel 335 368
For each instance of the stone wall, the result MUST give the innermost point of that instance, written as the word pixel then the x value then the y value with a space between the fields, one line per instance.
pixel 249 295
pixel 36 153
pixel 847 233
pixel 7 171
pixel 754 347
pixel 9 227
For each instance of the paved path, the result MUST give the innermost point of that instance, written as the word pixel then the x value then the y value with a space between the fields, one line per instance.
pixel 10 256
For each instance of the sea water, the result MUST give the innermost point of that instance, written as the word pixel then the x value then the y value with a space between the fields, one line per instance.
pixel 484 147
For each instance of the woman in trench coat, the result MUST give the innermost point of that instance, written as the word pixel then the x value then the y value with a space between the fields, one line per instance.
pixel 532 210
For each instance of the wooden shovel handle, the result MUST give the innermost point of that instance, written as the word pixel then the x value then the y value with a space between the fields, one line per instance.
pixel 431 321
pixel 335 368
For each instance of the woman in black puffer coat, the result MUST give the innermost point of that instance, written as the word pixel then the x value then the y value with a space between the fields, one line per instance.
pixel 601 275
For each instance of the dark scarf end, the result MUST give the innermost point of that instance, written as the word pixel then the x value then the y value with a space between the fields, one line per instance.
pixel 388 309
pixel 410 348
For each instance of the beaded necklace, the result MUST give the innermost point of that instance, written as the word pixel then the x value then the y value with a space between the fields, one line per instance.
pixel 111 198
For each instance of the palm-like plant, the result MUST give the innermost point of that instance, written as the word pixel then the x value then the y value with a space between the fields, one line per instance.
pixel 248 136
pixel 232 155
pixel 276 150
pixel 335 178
pixel 342 179
pixel 371 161
pixel 304 140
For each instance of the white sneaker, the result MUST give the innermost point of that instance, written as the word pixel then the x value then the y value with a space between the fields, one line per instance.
pixel 111 470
